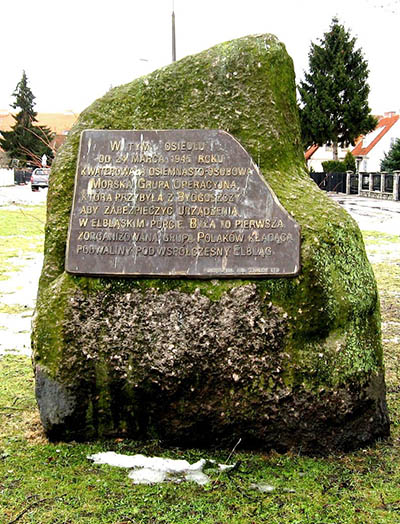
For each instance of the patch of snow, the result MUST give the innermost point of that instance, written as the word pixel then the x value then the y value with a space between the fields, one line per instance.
pixel 226 467
pixel 21 287
pixel 197 476
pixel 12 195
pixel 147 476
pixel 151 470
pixel 19 290
pixel 263 487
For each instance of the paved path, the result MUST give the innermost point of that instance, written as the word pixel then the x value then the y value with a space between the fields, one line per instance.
pixel 371 214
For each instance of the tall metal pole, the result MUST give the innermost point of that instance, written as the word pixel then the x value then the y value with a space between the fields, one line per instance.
pixel 173 34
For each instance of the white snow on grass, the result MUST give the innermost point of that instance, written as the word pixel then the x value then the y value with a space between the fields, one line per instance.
pixel 19 290
pixel 151 470
pixel 17 195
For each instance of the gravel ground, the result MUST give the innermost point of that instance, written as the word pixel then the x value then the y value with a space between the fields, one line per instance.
pixel 20 289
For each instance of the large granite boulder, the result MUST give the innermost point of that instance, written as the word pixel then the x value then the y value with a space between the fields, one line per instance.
pixel 282 363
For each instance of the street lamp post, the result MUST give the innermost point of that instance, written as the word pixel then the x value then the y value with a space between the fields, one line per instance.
pixel 173 34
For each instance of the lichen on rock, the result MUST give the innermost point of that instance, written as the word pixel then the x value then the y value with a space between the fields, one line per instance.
pixel 283 363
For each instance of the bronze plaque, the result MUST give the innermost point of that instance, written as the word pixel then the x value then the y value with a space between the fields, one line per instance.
pixel 176 203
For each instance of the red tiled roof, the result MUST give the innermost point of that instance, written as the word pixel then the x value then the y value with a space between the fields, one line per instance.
pixel 58 140
pixel 385 123
pixel 59 123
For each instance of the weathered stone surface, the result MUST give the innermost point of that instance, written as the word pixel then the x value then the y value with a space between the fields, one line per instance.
pixel 283 363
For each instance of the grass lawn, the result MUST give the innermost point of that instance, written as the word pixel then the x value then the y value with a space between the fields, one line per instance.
pixel 46 483
pixel 21 233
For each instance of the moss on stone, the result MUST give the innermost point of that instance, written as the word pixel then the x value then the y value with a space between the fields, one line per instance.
pixel 330 310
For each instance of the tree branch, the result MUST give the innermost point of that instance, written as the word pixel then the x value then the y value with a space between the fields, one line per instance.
pixel 31 506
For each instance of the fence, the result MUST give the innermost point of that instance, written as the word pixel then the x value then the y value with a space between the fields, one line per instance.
pixel 384 186
pixel 22 176
pixel 10 177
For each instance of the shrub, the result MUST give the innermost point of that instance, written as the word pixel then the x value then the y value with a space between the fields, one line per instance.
pixel 391 160
pixel 349 162
pixel 333 166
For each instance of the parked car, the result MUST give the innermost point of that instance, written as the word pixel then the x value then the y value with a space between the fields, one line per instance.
pixel 40 178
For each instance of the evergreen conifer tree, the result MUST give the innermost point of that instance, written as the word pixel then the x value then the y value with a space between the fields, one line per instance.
pixel 350 162
pixel 26 142
pixel 334 94
pixel 391 160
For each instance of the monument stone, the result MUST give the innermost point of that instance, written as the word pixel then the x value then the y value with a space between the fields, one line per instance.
pixel 197 286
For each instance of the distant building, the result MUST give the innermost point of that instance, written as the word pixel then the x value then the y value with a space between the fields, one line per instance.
pixel 369 150
pixel 315 155
pixel 59 123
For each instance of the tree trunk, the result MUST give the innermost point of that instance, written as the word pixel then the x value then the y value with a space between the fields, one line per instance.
pixel 335 151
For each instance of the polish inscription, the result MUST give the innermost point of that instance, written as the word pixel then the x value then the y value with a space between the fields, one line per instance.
pixel 176 203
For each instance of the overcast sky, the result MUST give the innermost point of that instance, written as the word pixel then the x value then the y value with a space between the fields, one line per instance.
pixel 74 51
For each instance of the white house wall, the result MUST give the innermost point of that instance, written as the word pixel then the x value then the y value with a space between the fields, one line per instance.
pixel 322 154
pixel 373 160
